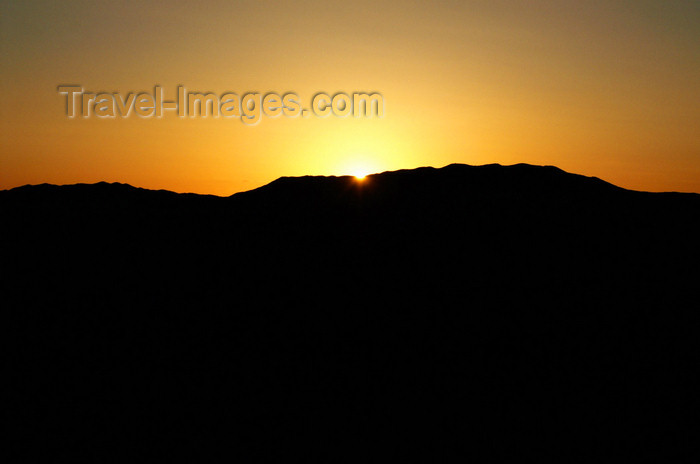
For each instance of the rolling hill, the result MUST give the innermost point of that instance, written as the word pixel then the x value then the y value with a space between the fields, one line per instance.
pixel 494 311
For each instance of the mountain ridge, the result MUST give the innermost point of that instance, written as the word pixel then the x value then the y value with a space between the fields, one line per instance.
pixel 293 179
pixel 519 309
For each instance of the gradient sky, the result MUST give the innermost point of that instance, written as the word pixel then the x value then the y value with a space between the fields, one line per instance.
pixel 605 88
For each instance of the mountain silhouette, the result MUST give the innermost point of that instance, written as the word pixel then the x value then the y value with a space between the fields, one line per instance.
pixel 499 312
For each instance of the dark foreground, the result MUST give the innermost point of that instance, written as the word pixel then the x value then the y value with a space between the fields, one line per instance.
pixel 492 312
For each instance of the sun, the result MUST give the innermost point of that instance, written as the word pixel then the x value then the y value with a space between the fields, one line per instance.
pixel 359 168
pixel 360 173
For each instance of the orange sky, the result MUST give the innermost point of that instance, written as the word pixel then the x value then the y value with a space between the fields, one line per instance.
pixel 606 88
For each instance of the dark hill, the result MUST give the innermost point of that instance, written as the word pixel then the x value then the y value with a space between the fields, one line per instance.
pixel 502 312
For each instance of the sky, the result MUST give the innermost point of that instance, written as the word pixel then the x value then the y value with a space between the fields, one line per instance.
pixel 606 88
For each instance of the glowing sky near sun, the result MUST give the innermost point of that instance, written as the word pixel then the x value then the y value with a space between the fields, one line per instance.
pixel 606 88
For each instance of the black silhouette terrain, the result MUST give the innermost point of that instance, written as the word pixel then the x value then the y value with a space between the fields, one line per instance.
pixel 501 312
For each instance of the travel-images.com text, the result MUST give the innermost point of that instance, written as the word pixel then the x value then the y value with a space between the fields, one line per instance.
pixel 249 108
